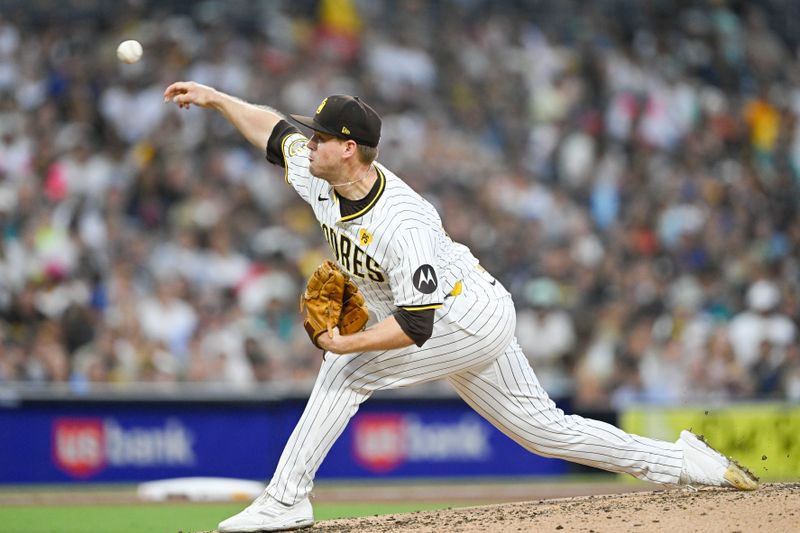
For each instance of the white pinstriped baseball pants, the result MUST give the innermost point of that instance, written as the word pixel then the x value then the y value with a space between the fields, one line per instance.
pixel 487 368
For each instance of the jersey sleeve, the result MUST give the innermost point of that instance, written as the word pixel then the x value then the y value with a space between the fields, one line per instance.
pixel 414 276
pixel 279 132
pixel 418 325
pixel 287 148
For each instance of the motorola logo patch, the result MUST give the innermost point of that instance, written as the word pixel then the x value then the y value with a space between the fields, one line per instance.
pixel 425 279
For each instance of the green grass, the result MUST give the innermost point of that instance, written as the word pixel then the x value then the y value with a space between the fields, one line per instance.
pixel 193 517
pixel 167 518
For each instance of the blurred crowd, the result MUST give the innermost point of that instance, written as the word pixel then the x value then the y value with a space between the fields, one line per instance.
pixel 629 170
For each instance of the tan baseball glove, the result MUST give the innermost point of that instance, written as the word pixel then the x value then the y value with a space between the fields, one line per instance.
pixel 354 309
pixel 331 300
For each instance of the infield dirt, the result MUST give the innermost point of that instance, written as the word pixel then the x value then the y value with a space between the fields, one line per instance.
pixel 775 507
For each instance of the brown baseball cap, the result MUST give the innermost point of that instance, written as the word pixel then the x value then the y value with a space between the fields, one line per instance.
pixel 346 117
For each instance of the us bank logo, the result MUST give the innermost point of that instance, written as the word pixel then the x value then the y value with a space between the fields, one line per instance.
pixel 83 447
pixel 384 442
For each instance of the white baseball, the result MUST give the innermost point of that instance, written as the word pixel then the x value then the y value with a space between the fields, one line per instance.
pixel 129 51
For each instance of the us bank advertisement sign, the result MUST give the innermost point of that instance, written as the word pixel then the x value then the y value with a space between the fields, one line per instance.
pixel 132 444
pixel 84 447
pixel 136 442
pixel 441 442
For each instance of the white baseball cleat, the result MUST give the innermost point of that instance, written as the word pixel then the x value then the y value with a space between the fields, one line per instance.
pixel 703 465
pixel 268 514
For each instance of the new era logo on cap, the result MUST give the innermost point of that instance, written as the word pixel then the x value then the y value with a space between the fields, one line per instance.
pixel 345 117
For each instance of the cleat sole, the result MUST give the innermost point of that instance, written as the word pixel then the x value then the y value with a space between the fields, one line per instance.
pixel 740 477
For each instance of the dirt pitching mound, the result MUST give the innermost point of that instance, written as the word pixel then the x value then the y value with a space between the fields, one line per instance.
pixel 774 507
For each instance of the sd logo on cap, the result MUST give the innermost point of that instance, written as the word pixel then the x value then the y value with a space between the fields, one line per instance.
pixel 346 117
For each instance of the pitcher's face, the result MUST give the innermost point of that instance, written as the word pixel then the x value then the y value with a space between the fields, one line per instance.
pixel 325 155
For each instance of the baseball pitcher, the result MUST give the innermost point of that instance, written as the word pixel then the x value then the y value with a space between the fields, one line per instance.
pixel 434 313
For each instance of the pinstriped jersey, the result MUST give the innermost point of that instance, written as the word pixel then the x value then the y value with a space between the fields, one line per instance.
pixel 394 248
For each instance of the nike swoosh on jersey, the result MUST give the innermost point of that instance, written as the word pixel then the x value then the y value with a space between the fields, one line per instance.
pixel 322 198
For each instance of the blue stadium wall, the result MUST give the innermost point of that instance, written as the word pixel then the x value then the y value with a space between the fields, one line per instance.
pixel 119 441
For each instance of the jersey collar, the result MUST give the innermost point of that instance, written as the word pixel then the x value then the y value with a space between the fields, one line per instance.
pixel 372 198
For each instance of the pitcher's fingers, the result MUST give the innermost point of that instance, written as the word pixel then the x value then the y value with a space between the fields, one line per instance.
pixel 176 88
pixel 182 99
